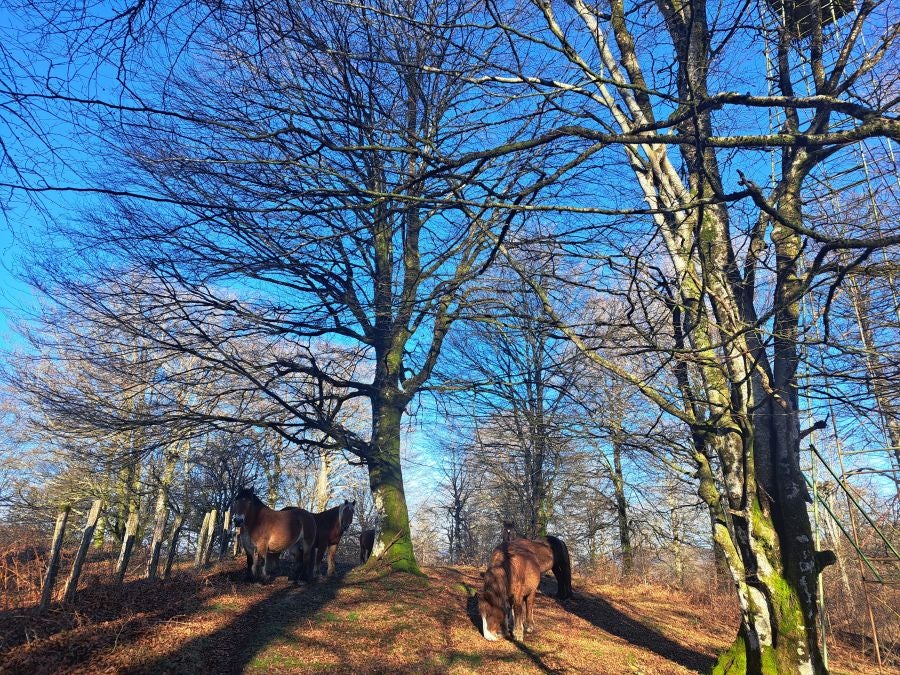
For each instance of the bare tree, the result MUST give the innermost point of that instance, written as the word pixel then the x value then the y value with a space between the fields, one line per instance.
pixel 309 180
pixel 735 349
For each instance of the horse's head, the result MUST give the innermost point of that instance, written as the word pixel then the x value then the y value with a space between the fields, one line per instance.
pixel 492 614
pixel 243 502
pixel 345 514
pixel 509 531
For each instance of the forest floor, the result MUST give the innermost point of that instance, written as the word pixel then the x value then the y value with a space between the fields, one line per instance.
pixel 215 622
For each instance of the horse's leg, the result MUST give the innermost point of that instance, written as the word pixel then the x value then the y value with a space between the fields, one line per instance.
pixel 262 554
pixel 256 571
pixel 249 566
pixel 529 612
pixel 319 555
pixel 298 563
pixel 331 552
pixel 518 619
pixel 311 567
pixel 270 563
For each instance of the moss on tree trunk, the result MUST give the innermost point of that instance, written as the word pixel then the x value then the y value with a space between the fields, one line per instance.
pixel 386 482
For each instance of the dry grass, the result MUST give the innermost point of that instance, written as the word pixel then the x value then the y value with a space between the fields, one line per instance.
pixel 214 622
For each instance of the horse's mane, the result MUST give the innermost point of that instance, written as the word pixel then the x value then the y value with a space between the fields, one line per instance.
pixel 248 493
pixel 496 578
pixel 332 514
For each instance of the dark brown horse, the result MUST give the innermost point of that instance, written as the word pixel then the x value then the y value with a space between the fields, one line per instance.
pixel 330 525
pixel 265 534
pixel 553 556
pixel 366 544
pixel 510 585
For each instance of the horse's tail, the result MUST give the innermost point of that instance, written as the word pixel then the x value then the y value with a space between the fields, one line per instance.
pixel 562 567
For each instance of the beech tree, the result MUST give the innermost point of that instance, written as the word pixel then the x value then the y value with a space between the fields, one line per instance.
pixel 292 174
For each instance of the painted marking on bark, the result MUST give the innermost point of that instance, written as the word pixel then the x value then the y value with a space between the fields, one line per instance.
pixel 378 503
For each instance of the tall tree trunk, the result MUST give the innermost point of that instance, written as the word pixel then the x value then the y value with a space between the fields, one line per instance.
pixel 878 382
pixel 622 511
pixel 675 531
pixel 162 508
pixel 322 491
pixel 273 474
pixel 389 497
pixel 129 494
pixel 720 562
pixel 540 442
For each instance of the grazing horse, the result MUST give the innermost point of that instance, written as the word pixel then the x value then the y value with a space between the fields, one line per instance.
pixel 510 584
pixel 330 525
pixel 266 533
pixel 366 544
pixel 553 556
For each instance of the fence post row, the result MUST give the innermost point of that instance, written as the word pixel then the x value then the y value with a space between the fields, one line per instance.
pixel 127 546
pixel 213 522
pixel 173 544
pixel 202 556
pixel 55 548
pixel 87 535
pixel 201 541
pixel 226 534
pixel 159 531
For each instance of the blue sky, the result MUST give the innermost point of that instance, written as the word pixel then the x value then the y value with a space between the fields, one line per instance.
pixel 18 221
pixel 13 294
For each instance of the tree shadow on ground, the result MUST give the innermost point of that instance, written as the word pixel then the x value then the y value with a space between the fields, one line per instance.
pixel 110 616
pixel 103 617
pixel 232 647
pixel 535 658
pixel 597 611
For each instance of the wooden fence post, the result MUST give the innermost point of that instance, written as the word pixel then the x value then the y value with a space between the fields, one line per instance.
pixel 127 546
pixel 55 548
pixel 87 535
pixel 159 531
pixel 201 541
pixel 173 544
pixel 226 534
pixel 213 523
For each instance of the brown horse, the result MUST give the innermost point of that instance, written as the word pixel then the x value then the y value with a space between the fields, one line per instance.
pixel 553 556
pixel 510 583
pixel 265 534
pixel 330 525
pixel 366 544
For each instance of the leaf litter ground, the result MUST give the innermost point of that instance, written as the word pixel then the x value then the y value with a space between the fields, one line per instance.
pixel 215 622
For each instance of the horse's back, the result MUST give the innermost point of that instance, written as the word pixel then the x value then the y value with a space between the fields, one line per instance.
pixel 539 548
pixel 520 560
pixel 284 528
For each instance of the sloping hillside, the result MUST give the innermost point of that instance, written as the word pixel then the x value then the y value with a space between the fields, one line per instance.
pixel 218 623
